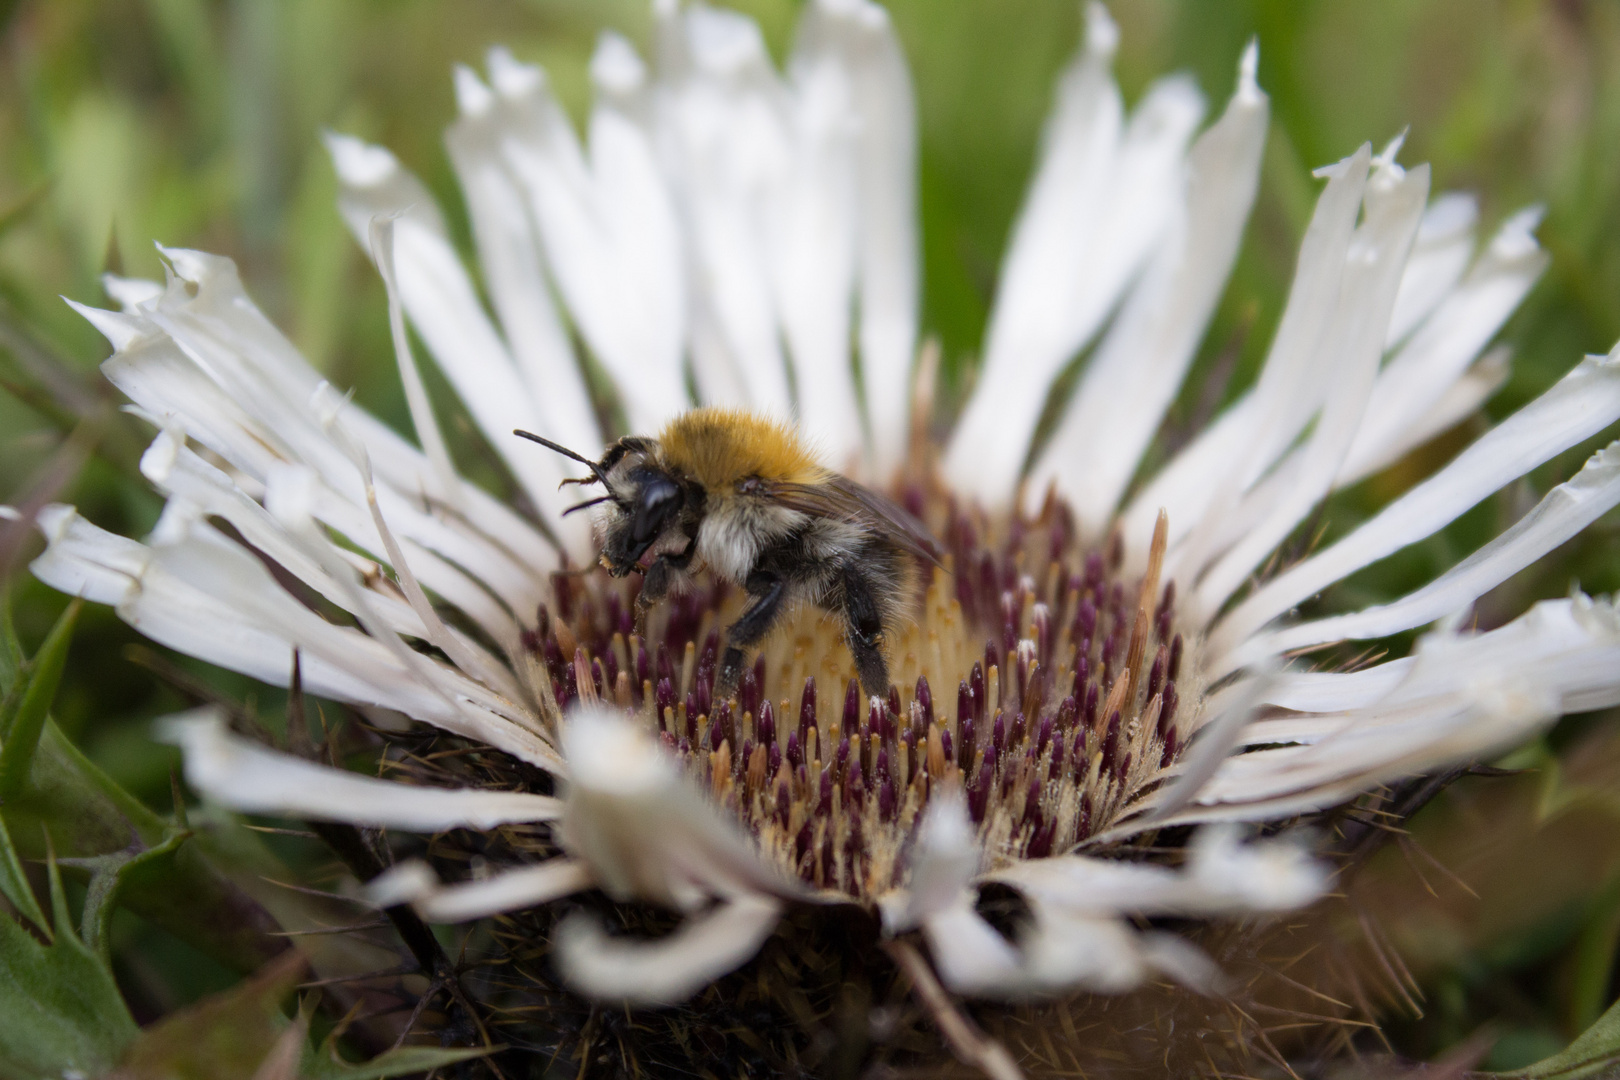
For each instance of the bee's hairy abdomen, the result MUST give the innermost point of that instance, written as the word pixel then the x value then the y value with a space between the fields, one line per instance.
pixel 720 448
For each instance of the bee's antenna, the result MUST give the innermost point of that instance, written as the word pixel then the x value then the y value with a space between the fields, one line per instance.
pixel 587 503
pixel 565 452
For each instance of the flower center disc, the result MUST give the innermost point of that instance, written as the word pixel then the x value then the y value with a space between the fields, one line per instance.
pixel 1064 673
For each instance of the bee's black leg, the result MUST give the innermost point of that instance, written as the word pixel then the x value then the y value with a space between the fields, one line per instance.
pixel 863 630
pixel 768 592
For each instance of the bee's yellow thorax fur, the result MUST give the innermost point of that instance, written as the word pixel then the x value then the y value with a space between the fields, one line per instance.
pixel 719 447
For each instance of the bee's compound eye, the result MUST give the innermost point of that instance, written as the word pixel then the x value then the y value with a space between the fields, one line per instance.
pixel 660 500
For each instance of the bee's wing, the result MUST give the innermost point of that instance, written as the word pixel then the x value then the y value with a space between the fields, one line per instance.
pixel 844 500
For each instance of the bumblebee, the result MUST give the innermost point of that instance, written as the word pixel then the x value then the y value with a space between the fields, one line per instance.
pixel 741 495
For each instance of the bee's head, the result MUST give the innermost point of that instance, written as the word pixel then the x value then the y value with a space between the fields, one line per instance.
pixel 643 503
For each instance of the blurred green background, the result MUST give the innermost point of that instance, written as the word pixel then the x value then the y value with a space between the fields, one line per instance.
pixel 197 124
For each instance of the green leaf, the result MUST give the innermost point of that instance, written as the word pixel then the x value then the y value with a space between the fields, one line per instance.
pixel 11 654
pixel 14 883
pixel 233 1032
pixel 61 1006
pixel 21 724
pixel 108 873
pixel 224 1034
pixel 89 815
pixel 1595 1053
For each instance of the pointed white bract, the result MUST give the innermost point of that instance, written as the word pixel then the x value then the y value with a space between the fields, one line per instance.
pixel 1106 191
pixel 752 234
pixel 245 776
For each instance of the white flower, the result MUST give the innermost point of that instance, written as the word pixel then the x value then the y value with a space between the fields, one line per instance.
pixel 760 228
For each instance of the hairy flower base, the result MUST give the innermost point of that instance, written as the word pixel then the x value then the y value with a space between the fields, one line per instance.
pixel 821 995
pixel 1069 676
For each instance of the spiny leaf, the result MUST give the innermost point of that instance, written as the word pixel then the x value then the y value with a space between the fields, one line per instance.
pixel 33 693
pixel 11 654
pixel 107 874
pixel 224 1034
pixel 1595 1053
pixel 61 1006
pixel 14 883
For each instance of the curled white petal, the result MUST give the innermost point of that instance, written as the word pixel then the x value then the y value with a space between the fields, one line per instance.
pixel 1579 405
pixel 413 882
pixel 245 776
pixel 668 970
pixel 643 829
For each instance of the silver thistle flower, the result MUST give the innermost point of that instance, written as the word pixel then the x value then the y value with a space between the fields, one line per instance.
pixel 757 231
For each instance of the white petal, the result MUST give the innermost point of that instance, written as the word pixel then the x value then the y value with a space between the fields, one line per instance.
pixel 131 293
pixel 1032 326
pixel 1332 691
pixel 1064 950
pixel 723 132
pixel 1231 454
pixel 237 386
pixel 1351 346
pixel 887 214
pixel 971 956
pixel 814 241
pixel 610 234
pixel 209 598
pixel 669 970
pixel 1445 243
pixel 513 272
pixel 1564 512
pixel 1217 733
pixel 249 778
pixel 1223 876
pixel 1373 747
pixel 1141 362
pixel 120 330
pixel 1461 400
pixel 439 298
pixel 941 864
pixel 1142 197
pixel 81 560
pixel 414 883
pixel 644 829
pixel 1460 698
pixel 1447 341
pixel 1582 403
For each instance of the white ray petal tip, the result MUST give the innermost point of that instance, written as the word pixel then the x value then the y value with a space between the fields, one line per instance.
pixel 130 293
pixel 289 494
pixel 53 520
pixel 724 42
pixel 193 266
pixel 1516 238
pixel 1102 32
pixel 359 163
pixel 511 78
pixel 10 513
pixel 473 97
pixel 1451 214
pixel 608 753
pixel 1597 615
pixel 862 13
pixel 158 461
pixel 328 403
pixel 1266 875
pixel 400 884
pixel 1248 88
pixel 119 329
pixel 1392 149
pixel 616 67
pixel 946 827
